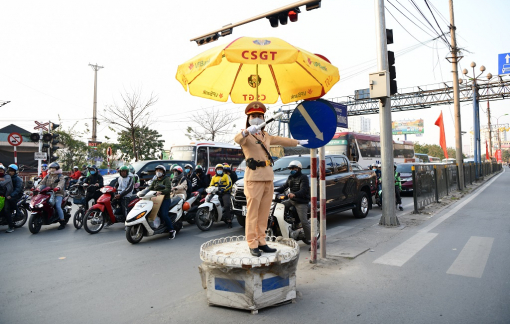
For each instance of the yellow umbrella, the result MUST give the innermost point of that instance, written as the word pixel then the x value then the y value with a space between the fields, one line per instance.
pixel 252 67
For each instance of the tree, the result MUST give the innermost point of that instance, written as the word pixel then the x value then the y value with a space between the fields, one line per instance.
pixel 73 150
pixel 434 150
pixel 148 144
pixel 505 155
pixel 132 115
pixel 213 125
pixel 98 154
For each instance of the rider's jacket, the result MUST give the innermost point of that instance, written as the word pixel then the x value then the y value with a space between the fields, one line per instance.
pixel 165 181
pixel 222 182
pixel 49 181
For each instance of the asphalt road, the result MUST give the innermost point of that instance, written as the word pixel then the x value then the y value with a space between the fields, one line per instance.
pixel 450 269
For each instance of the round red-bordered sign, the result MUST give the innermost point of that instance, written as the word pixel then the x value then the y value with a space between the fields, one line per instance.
pixel 15 139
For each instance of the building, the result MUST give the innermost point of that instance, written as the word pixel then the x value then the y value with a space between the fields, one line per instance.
pixel 25 151
pixel 360 124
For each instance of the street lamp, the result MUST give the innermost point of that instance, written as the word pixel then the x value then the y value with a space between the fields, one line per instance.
pixel 476 112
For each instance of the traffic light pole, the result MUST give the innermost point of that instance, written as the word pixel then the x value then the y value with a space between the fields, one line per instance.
pixel 389 217
pixel 40 150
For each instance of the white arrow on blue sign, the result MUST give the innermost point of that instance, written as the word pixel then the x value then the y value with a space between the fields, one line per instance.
pixel 314 121
pixel 504 63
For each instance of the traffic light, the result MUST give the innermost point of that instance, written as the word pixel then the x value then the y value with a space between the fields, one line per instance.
pixel 47 137
pixel 283 17
pixel 34 137
pixel 391 64
pixel 313 5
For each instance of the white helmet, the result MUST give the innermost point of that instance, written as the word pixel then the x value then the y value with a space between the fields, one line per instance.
pixel 75 167
pixel 295 163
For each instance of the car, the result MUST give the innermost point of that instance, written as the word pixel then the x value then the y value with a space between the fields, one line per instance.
pixel 346 189
pixel 406 176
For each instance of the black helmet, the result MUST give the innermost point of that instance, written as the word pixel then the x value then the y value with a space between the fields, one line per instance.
pixel 54 165
pixel 160 167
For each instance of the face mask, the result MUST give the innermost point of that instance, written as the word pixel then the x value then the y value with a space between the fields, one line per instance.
pixel 293 172
pixel 52 171
pixel 159 174
pixel 187 170
pixel 176 174
pixel 92 172
pixel 220 172
pixel 255 121
pixel 374 169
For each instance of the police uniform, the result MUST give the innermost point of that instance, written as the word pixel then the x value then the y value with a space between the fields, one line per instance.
pixel 258 182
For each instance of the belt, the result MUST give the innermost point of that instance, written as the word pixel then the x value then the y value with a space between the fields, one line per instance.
pixel 263 163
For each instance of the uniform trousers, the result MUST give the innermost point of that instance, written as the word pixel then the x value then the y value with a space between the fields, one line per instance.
pixel 259 195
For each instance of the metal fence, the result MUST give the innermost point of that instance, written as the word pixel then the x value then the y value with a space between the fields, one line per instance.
pixel 431 182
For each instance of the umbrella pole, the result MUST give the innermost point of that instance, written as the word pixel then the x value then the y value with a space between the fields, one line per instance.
pixel 257 82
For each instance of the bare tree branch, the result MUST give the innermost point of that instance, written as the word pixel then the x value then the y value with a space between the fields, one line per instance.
pixel 213 125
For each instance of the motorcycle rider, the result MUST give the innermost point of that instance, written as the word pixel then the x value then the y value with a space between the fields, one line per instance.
pixel 179 182
pixel 230 173
pixel 75 176
pixel 124 186
pixel 136 178
pixel 222 181
pixel 163 179
pixel 198 180
pixel 55 180
pixel 299 195
pixel 6 189
pixel 44 171
pixel 94 179
pixel 14 197
pixel 398 188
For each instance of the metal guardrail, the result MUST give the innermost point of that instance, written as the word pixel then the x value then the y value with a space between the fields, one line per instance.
pixel 431 182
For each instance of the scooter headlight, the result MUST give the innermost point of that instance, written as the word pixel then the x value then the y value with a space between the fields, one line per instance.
pixel 39 206
pixel 137 216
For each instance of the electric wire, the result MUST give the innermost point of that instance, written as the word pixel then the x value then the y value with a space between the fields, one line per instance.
pixel 409 19
pixel 387 9
pixel 417 19
pixel 433 16
pixel 432 26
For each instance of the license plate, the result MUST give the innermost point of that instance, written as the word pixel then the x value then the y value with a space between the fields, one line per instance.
pixel 244 210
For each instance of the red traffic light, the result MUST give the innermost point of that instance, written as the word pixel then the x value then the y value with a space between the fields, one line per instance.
pixel 293 16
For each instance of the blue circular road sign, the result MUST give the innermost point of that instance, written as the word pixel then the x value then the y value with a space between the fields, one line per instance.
pixel 315 121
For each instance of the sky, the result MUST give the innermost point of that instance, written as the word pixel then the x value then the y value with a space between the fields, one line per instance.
pixel 47 46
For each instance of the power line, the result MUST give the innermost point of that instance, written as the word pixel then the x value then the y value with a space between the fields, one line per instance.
pixel 432 26
pixel 408 18
pixel 417 19
pixel 433 16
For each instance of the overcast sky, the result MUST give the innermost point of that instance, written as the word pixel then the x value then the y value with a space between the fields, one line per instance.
pixel 47 46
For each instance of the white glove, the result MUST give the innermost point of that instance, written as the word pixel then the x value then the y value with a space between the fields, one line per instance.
pixel 303 142
pixel 253 130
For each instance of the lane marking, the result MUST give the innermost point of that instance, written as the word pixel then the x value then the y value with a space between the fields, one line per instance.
pixel 456 208
pixel 405 251
pixel 472 259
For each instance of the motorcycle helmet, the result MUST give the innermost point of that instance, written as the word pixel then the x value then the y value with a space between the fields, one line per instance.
pixel 123 168
pixel 226 167
pixel 177 168
pixel 188 166
pixel 13 167
pixel 131 169
pixel 217 169
pixel 75 168
pixel 44 166
pixel 199 169
pixel 2 169
pixel 162 168
pixel 295 164
pixel 54 165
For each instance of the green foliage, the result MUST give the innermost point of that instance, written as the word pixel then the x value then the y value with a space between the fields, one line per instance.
pixel 505 154
pixel 434 150
pixel 148 144
pixel 73 150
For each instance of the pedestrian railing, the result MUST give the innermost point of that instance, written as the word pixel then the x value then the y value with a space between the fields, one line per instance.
pixel 431 182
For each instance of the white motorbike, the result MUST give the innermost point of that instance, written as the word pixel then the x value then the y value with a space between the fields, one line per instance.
pixel 137 223
pixel 286 223
pixel 210 210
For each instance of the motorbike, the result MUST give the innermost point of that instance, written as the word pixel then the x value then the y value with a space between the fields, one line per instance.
pixel 194 203
pixel 211 210
pixel 78 193
pixel 43 212
pixel 286 223
pixel 102 212
pixel 19 217
pixel 137 222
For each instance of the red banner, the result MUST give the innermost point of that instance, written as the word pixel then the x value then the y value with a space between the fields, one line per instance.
pixel 499 156
pixel 487 157
pixel 442 137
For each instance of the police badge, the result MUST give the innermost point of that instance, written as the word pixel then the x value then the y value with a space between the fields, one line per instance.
pixel 252 80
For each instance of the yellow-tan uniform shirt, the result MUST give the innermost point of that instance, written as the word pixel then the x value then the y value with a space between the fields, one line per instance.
pixel 253 150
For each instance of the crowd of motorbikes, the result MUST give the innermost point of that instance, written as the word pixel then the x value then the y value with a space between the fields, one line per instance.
pixel 37 206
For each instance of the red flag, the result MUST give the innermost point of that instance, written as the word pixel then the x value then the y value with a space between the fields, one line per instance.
pixel 487 151
pixel 442 138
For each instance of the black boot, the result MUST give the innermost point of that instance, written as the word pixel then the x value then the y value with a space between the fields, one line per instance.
pixel 255 252
pixel 62 225
pixel 266 249
pixel 229 224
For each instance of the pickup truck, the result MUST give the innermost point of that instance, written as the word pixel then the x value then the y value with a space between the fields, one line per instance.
pixel 345 188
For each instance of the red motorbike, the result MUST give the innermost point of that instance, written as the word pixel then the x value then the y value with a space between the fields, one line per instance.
pixel 42 211
pixel 103 211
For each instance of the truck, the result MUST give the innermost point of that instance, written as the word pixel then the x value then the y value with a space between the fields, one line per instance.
pixel 346 188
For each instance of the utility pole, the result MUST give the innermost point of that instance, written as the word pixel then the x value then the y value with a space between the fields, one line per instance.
pixel 389 217
pixel 490 130
pixel 456 100
pixel 94 115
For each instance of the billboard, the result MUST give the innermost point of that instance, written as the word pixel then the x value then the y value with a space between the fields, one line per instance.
pixel 402 127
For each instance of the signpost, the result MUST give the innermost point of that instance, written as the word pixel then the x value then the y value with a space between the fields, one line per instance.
pixel 40 127
pixel 316 121
pixel 40 155
pixel 504 63
pixel 15 139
